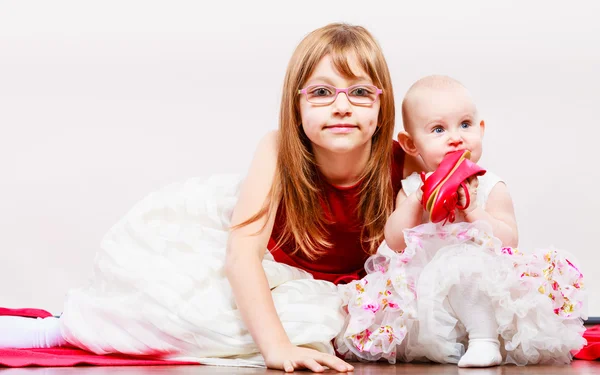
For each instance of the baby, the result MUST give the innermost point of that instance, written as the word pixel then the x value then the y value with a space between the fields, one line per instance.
pixel 433 290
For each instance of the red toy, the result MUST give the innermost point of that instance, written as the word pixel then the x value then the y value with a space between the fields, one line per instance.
pixel 440 190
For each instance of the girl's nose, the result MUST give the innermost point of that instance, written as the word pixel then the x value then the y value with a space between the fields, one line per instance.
pixel 342 105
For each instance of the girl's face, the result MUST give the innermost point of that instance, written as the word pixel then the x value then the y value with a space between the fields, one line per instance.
pixel 443 121
pixel 341 126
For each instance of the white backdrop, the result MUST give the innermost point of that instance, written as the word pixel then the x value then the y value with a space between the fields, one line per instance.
pixel 102 102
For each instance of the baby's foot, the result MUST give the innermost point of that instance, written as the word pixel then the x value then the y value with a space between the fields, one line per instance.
pixel 481 353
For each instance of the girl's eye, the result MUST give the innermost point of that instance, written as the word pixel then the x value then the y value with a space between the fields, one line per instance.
pixel 465 125
pixel 321 91
pixel 438 130
pixel 362 91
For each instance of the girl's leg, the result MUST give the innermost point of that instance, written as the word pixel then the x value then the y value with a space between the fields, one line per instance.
pixel 474 310
pixel 21 332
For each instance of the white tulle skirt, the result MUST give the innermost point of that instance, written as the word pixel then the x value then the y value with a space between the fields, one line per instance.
pixel 399 311
pixel 159 287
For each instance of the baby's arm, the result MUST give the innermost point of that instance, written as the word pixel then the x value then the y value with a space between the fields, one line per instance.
pixel 499 212
pixel 408 214
pixel 245 251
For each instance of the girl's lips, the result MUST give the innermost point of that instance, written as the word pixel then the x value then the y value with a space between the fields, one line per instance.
pixel 341 128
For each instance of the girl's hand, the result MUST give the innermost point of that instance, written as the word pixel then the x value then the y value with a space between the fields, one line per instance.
pixel 472 184
pixel 290 358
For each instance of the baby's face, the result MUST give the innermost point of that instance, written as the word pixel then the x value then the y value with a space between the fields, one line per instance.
pixel 442 121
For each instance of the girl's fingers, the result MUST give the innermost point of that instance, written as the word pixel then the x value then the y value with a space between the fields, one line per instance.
pixel 312 365
pixel 288 366
pixel 335 363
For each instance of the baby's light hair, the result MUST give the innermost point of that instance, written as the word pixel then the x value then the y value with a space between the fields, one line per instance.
pixel 432 82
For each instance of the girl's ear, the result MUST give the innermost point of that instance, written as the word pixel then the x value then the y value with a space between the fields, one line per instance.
pixel 407 143
pixel 482 127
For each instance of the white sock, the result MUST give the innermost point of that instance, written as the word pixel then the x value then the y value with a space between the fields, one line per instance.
pixel 474 310
pixel 21 333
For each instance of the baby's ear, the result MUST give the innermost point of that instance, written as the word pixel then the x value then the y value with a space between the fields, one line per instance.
pixel 482 127
pixel 407 143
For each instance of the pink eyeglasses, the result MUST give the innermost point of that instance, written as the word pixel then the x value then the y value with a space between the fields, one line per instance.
pixel 327 94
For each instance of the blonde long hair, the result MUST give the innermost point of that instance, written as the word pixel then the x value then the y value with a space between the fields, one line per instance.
pixel 297 184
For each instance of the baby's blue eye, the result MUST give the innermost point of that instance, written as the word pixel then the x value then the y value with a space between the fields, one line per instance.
pixel 438 130
pixel 465 125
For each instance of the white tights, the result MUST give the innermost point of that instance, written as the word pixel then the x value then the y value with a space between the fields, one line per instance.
pixel 474 310
pixel 20 332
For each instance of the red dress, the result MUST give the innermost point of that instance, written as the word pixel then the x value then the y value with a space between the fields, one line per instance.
pixel 344 261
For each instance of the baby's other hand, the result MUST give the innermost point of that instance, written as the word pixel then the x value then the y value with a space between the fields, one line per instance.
pixel 472 184
pixel 419 194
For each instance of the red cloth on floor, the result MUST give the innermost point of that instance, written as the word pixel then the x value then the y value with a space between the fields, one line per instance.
pixel 66 357
pixel 591 351
pixel 29 313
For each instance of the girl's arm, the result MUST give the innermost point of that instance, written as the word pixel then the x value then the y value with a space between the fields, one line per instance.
pixel 245 251
pixel 408 214
pixel 499 212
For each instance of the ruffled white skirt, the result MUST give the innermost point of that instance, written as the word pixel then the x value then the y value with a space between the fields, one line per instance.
pixel 399 311
pixel 159 288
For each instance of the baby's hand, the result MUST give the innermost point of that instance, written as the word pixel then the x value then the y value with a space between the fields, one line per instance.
pixel 472 184
pixel 419 194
